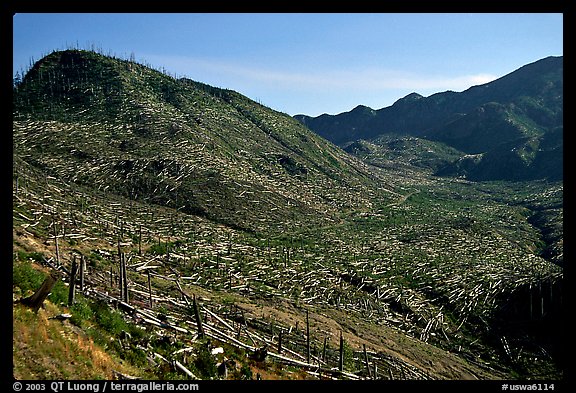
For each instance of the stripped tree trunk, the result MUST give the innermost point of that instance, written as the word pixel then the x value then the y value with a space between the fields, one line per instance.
pixel 530 294
pixel 140 240
pixel 280 342
pixel 150 287
pixel 56 241
pixel 121 278
pixel 72 285
pixel 198 319
pixel 341 360
pixel 37 299
pixel 307 338
pixel 366 361
pixel 82 272
pixel 125 278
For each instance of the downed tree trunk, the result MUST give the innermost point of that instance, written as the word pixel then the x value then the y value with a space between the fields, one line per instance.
pixel 182 368
pixel 121 376
pixel 36 300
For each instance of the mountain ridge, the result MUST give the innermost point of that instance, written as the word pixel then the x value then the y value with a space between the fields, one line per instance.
pixel 527 102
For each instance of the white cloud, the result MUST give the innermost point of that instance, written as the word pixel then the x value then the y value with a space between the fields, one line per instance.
pixel 358 79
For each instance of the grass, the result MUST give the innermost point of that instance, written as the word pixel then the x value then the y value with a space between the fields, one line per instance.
pixel 26 278
pixel 45 348
pixel 87 347
pixel 440 225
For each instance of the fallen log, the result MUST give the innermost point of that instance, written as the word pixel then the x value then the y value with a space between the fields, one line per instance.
pixel 122 376
pixel 181 367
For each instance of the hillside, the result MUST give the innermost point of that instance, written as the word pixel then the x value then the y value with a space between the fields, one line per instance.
pixel 527 103
pixel 195 206
pixel 391 150
pixel 127 129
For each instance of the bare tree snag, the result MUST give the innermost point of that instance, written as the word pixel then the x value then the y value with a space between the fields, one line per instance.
pixel 341 359
pixel 36 300
pixel 198 319
pixel 82 272
pixel 280 342
pixel 125 278
pixel 121 278
pixel 150 287
pixel 56 241
pixel 366 361
pixel 531 307
pixel 72 285
pixel 140 240
pixel 184 296
pixel 307 338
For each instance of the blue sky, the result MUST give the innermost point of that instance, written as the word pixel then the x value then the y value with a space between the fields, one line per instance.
pixel 308 63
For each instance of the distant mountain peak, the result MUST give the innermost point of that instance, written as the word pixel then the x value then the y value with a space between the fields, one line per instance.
pixel 410 98
pixel 525 103
pixel 363 109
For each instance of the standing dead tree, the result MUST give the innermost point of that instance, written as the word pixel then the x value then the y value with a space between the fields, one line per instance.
pixel 36 300
pixel 72 287
pixel 198 318
pixel 56 240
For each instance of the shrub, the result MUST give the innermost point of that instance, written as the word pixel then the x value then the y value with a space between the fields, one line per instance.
pixel 110 320
pixel 25 276
pixel 24 256
pixel 159 249
pixel 81 311
pixel 59 294
pixel 246 372
pixel 205 363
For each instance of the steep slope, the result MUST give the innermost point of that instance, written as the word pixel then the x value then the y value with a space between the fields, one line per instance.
pixel 389 151
pixel 139 133
pixel 343 127
pixel 217 196
pixel 417 282
pixel 482 129
pixel 524 159
pixel 267 294
pixel 527 103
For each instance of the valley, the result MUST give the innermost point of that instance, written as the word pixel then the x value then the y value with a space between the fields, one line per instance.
pixel 342 266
